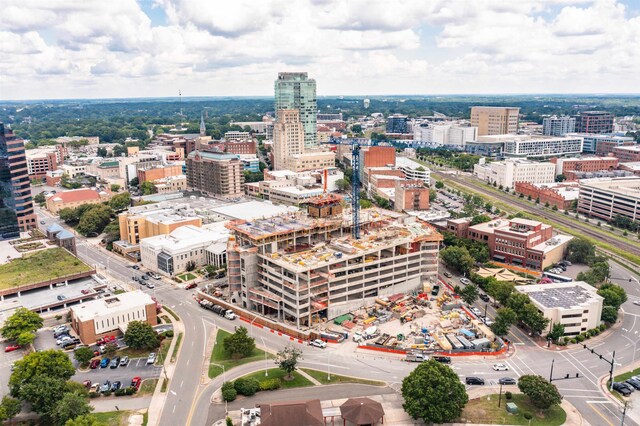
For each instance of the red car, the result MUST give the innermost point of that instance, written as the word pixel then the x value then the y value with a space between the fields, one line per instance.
pixel 94 363
pixel 190 286
pixel 85 291
pixel 87 384
pixel 12 348
pixel 135 382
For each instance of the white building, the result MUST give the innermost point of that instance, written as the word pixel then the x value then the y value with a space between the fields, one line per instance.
pixel 606 198
pixel 235 135
pixel 558 126
pixel 413 169
pixel 169 254
pixel 444 134
pixel 536 146
pixel 576 305
pixel 506 173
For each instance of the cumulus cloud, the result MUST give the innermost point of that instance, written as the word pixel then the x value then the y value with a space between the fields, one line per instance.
pixel 95 48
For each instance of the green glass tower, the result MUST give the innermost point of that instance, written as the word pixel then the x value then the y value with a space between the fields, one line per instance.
pixel 294 90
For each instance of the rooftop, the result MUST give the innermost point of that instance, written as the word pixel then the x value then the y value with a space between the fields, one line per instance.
pixel 627 186
pixel 630 148
pixel 111 305
pixel 571 295
pixel 188 236
pixel 251 210
pixel 75 195
pixel 552 243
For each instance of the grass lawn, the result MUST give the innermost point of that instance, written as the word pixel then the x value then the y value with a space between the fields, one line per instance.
pixel 220 357
pixel 173 314
pixel 187 276
pixel 143 353
pixel 176 348
pixel 484 410
pixel 40 266
pixel 113 418
pixel 275 373
pixel 625 376
pixel 147 387
pixel 321 376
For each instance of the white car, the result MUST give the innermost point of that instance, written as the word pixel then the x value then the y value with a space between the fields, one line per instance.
pixel 476 311
pixel 465 281
pixel 318 343
pixel 62 340
pixel 151 358
pixel 636 302
pixel 488 322
pixel 500 367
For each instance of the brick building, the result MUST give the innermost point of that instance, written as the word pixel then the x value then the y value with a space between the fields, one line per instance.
pixel 74 198
pixel 594 122
pixel 627 153
pixel 111 315
pixel 214 174
pixel 561 195
pixel 606 147
pixel 378 156
pixel 411 195
pixel 159 172
pixel 42 160
pixel 565 166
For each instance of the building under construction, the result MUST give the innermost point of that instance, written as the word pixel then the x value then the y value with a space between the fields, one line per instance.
pixel 306 267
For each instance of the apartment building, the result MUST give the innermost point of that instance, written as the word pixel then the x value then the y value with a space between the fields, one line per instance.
pixel 558 126
pixel 171 184
pixel 506 173
pixel 495 120
pixel 303 268
pixel 627 154
pixel 111 315
pixel 42 160
pixel 576 305
pixel 410 195
pixel 542 146
pixel 214 174
pixel 594 122
pixel 235 135
pixel 605 198
pixel 444 134
pixel 311 159
pixel 559 194
pixel 602 144
pixel 152 173
pixel 521 242
pixel 289 138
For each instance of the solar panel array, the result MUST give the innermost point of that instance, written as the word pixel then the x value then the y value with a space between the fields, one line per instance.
pixel 562 297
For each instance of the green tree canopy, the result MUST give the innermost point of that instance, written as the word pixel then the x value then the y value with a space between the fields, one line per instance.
pixel 439 184
pixel 85 420
pixel 505 318
pixel 69 407
pixel 557 331
pixel 94 220
pixel 50 363
pixel 500 290
pixel 533 318
pixel 613 295
pixel 541 393
pixel 342 184
pixel 433 194
pixel 120 201
pixel 147 188
pixel 609 314
pixel 287 359
pixel 580 250
pixel 22 321
pixel 469 294
pixel 141 335
pixel 457 258
pixel 433 392
pixel 239 344
pixel 9 408
pixel 480 218
pixel 83 355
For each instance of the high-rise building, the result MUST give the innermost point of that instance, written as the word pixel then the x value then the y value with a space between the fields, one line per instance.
pixel 495 120
pixel 558 126
pixel 16 205
pixel 295 90
pixel 594 122
pixel 214 173
pixel 289 138
pixel 397 123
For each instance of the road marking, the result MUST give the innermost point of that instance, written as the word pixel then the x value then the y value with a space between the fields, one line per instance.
pixel 512 367
pixel 579 390
pixel 599 402
pixel 173 393
pixel 174 409
pixel 181 383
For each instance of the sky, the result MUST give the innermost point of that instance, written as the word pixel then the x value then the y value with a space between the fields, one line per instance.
pixel 155 48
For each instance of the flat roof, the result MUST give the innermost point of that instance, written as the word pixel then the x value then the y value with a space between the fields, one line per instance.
pixel 627 186
pixel 571 295
pixel 111 305
pixel 553 243
pixel 251 210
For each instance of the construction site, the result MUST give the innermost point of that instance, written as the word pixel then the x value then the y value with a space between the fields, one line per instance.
pixel 309 267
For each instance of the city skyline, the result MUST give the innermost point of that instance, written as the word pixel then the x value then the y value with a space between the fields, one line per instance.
pixel 155 48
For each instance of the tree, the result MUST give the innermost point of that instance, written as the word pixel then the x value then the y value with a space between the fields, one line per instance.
pixel 10 407
pixel 120 201
pixel 83 355
pixel 439 184
pixel 50 363
pixel 26 338
pixel 190 266
pixel 69 216
pixel 557 331
pixel 112 231
pixel 239 344
pixel 560 178
pixel 457 258
pixel 110 349
pixel 71 406
pixel 43 393
pixel 469 294
pixel 580 250
pixel 505 318
pixel 500 290
pixel 134 182
pixel 342 184
pixel 613 295
pixel 39 198
pixel 541 393
pixel 101 152
pixel 433 392
pixel 22 321
pixel 85 420
pixel 609 314
pixel 147 188
pixel 141 335
pixel 480 218
pixel 533 319
pixel 517 302
pixel 287 360
pixel 114 187
pixel 119 150
pixel 433 194
pixel 94 220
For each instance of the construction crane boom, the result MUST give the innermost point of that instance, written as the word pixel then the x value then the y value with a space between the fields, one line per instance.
pixel 355 190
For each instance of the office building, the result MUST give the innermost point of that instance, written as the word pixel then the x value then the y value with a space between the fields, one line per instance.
pixel 148 221
pixel 576 305
pixel 289 138
pixel 521 242
pixel 594 122
pixel 111 315
pixel 558 126
pixel 627 154
pixel 410 195
pixel 152 173
pixel 214 174
pixel 397 123
pixel 235 135
pixel 294 188
pixel 170 184
pixel 378 156
pixel 305 268
pixel 16 205
pixel 602 145
pixel 506 173
pixel 172 254
pixel 495 120
pixel 490 148
pixel 42 160
pixel 444 134
pixel 606 198
pixel 295 90
pixel 569 166
pixel 525 145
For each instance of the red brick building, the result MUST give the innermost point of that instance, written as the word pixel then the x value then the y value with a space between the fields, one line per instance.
pixel 379 156
pixel 607 147
pixel 627 154
pixel 411 194
pixel 159 172
pixel 560 195
pixel 594 122
pixel 566 166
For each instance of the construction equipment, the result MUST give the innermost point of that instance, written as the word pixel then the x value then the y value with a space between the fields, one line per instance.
pixel 355 190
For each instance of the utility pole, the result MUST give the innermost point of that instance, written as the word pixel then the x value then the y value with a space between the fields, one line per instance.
pixel 551 373
pixel 611 362
pixel 624 412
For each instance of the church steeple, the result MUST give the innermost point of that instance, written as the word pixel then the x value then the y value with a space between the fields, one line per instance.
pixel 203 129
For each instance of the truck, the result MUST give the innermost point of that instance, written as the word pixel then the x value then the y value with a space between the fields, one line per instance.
pixel 415 357
pixel 230 315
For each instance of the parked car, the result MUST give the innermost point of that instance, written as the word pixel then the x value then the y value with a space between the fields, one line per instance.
pixel 150 285
pixel 500 367
pixel 442 359
pixel 636 302
pixel 85 291
pixel 447 274
pixel 60 329
pixel 12 348
pixel 94 363
pixel 95 388
pixel 105 386
pixel 633 382
pixel 135 278
pixel 318 343
pixel 488 322
pixel 104 363
pixel 74 341
pixel 116 385
pixel 42 222
pixel 151 358
pixel 621 388
pixel 476 311
pixel 506 381
pixel 115 362
pixel 190 286
pixel 87 384
pixel 62 340
pixel 61 333
pixel 472 380
pixel 136 267
pixel 124 361
pixel 61 297
pixel 135 382
pixel 484 297
pixel 149 273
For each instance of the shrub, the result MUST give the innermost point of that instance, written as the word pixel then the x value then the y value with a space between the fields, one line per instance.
pixel 229 422
pixel 168 333
pixel 246 387
pixel 120 392
pixel 107 393
pixel 229 394
pixel 594 331
pixel 508 395
pixel 574 340
pixel 527 416
pixel 270 384
pixel 130 390
pixel 94 394
pixel 579 338
pixel 602 327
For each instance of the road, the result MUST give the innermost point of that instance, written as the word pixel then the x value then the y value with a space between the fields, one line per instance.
pixel 188 400
pixel 479 187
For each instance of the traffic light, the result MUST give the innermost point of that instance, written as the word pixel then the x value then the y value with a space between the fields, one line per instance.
pixel 567 376
pixel 577 375
pixel 584 345
pixel 591 350
pixel 600 356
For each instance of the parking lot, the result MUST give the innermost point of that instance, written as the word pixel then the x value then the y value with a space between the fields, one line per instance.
pixel 136 367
